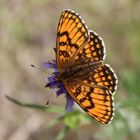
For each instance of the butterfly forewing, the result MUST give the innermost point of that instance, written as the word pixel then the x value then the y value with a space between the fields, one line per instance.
pixel 72 34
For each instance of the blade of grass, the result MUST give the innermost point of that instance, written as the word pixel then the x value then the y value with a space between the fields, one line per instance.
pixel 62 133
pixel 55 109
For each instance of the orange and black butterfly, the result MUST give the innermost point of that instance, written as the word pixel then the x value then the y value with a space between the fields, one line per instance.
pixel 80 55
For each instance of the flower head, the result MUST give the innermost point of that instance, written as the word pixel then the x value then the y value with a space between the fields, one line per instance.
pixel 53 82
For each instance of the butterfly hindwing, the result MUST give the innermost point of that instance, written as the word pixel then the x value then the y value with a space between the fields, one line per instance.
pixel 95 101
pixel 93 51
pixel 103 76
pixel 72 34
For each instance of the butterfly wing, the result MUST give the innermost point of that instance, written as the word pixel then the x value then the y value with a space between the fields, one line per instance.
pixel 72 34
pixel 94 93
pixel 94 50
pixel 102 76
pixel 95 101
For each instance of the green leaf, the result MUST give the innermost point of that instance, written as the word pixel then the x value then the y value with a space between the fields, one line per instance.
pixel 73 119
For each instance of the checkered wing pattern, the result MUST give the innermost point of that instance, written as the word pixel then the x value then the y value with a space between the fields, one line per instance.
pixel 72 34
pixel 94 93
pixel 96 101
pixel 103 76
pixel 93 51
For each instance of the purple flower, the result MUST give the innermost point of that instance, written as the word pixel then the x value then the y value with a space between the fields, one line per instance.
pixel 53 82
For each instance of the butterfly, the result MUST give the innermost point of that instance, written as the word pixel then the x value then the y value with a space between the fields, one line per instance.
pixel 80 55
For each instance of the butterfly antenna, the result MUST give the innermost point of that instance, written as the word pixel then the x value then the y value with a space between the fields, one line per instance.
pixel 39 69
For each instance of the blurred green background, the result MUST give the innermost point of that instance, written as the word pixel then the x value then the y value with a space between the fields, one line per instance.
pixel 27 36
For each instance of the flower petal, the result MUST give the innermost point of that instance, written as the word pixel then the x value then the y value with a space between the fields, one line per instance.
pixel 53 82
pixel 50 65
pixel 59 92
pixel 70 103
